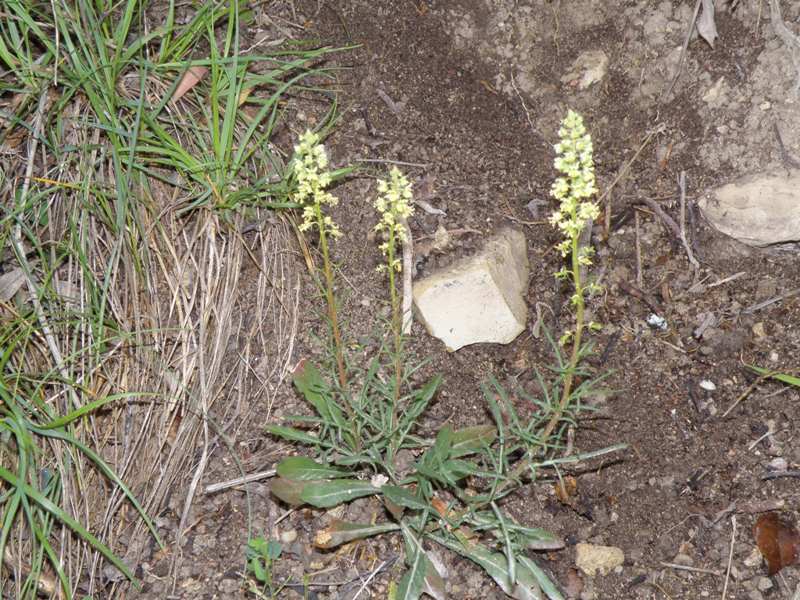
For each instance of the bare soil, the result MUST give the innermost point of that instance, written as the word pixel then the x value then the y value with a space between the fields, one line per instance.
pixel 469 93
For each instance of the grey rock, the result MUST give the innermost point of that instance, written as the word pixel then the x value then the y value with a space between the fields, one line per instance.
pixel 758 210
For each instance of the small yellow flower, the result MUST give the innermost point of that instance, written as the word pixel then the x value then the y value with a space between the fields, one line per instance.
pixel 309 166
pixel 576 185
pixel 394 204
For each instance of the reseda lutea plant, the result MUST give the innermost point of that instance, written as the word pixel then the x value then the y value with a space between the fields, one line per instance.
pixel 364 434
pixel 574 190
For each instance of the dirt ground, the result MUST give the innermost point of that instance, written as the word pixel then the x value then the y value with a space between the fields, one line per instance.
pixel 468 95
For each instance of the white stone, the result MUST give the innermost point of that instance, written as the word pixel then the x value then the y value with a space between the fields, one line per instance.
pixel 757 210
pixel 479 299
pixel 591 558
pixel 589 68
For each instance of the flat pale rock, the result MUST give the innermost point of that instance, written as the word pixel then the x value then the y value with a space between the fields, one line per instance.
pixel 589 68
pixel 758 210
pixel 591 558
pixel 479 299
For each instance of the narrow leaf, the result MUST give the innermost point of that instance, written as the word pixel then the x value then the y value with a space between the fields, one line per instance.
pixel 292 434
pixel 288 490
pixel 341 532
pixel 547 585
pixel 496 566
pixel 778 376
pixel 472 439
pixel 403 497
pixel 46 504
pixel 325 494
pixel 302 468
pixel 413 580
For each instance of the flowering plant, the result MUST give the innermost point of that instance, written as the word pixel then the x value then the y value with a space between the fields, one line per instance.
pixel 574 189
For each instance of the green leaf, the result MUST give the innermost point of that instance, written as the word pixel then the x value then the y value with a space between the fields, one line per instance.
pixel 537 539
pixel 496 566
pixel 403 497
pixel 292 434
pixel 46 504
pixel 413 580
pixel 326 494
pixel 341 532
pixel 302 468
pixel 441 447
pixel 309 382
pixel 472 439
pixel 288 490
pixel 547 585
pixel 795 381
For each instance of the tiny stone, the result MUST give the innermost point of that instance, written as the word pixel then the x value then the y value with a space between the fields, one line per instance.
pixel 759 331
pixel 754 558
pixel 763 584
pixel 778 464
pixel 287 537
pixel 708 385
pixel 683 559
pixel 773 356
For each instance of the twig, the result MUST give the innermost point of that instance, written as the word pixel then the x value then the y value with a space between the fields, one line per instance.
pixel 780 474
pixel 525 108
pixel 788 161
pixel 408 268
pixel 224 485
pixel 727 279
pixel 639 281
pixel 368 579
pixel 730 558
pixel 765 303
pixel 682 185
pixel 683 53
pixel 668 221
pixel 387 161
pixel 746 393
pixel 688 568
pixel 637 293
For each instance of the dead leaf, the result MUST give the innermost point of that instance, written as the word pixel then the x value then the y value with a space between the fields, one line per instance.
pixel 706 25
pixel 190 78
pixel 777 540
pixel 567 490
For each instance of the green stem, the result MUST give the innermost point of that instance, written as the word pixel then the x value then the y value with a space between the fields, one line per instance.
pixel 569 376
pixel 396 329
pixel 333 316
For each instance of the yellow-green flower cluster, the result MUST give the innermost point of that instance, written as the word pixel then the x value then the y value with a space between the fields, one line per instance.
pixel 394 206
pixel 576 185
pixel 310 166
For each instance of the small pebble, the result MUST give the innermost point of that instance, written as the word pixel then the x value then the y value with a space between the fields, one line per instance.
pixel 778 464
pixel 773 356
pixel 764 583
pixel 287 537
pixel 708 385
pixel 759 331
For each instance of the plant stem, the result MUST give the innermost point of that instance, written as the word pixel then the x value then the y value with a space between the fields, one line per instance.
pixel 397 329
pixel 569 375
pixel 333 315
